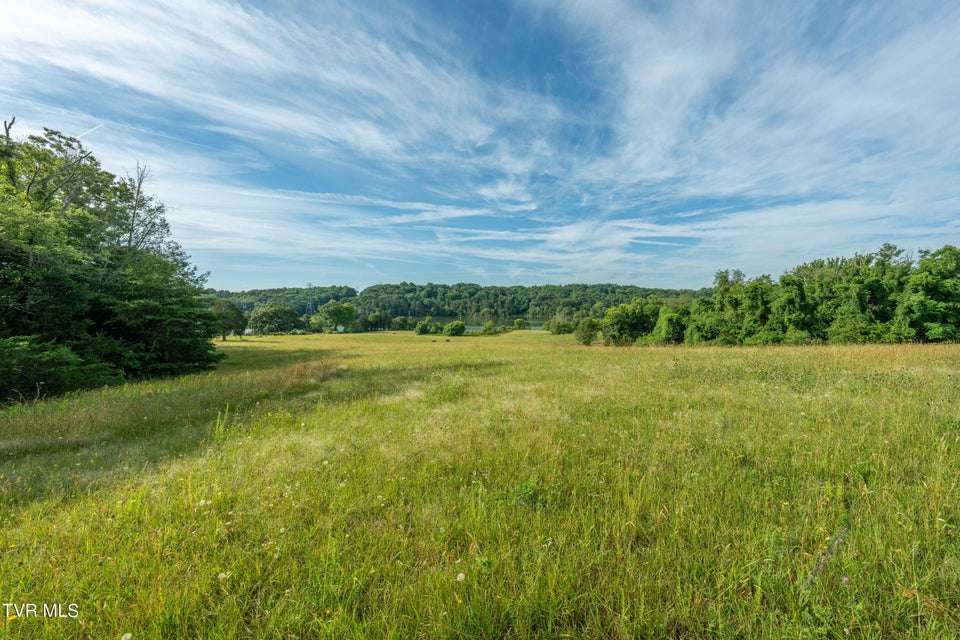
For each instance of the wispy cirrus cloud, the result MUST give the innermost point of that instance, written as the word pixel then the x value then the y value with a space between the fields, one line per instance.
pixel 513 141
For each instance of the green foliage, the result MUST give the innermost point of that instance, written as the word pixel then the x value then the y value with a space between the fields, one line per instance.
pixel 274 317
pixel 587 330
pixel 377 321
pixel 561 323
pixel 839 300
pixel 518 324
pixel 871 298
pixel 756 310
pixel 316 323
pixel 304 300
pixel 623 324
pixel 336 316
pixel 426 327
pixel 791 311
pixel 455 328
pixel 671 325
pixel 30 368
pixel 490 328
pixel 229 318
pixel 929 308
pixel 469 302
pixel 90 281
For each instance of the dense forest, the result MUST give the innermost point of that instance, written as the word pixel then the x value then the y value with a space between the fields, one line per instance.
pixel 885 296
pixel 469 302
pixel 92 289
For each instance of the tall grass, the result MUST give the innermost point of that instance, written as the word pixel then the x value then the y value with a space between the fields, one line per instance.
pixel 518 486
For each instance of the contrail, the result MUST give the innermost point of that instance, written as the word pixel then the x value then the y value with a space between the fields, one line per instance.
pixel 91 130
pixel 145 131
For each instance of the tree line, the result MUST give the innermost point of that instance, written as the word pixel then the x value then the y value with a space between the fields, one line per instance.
pixel 885 296
pixel 93 291
pixel 402 306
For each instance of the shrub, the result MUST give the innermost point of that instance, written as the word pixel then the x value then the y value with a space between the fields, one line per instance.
pixel 274 317
pixel 489 329
pixel 426 327
pixel 586 331
pixel 455 328
pixel 30 368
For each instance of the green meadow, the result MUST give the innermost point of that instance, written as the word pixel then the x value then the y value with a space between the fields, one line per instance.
pixel 520 486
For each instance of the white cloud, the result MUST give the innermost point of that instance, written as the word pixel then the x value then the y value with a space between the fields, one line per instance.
pixel 707 135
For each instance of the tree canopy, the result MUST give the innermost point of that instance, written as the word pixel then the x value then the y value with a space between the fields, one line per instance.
pixel 885 296
pixel 274 317
pixel 92 288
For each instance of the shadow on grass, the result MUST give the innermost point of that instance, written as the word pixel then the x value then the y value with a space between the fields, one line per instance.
pixel 66 447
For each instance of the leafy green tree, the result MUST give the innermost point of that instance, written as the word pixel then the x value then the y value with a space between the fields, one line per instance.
pixel 426 327
pixel 587 330
pixel 150 316
pixel 230 320
pixel 671 325
pixel 274 317
pixel 755 309
pixel 623 324
pixel 518 324
pixel 929 309
pixel 336 315
pixel 348 315
pixel 96 293
pixel 719 319
pixel 379 321
pixel 30 368
pixel 455 328
pixel 561 323
pixel 791 313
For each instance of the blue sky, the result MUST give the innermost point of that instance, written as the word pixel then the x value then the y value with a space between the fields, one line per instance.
pixel 519 142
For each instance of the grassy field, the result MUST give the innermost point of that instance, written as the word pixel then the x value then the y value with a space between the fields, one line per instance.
pixel 518 486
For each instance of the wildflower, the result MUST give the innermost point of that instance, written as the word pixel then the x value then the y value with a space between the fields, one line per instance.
pixel 224 576
pixel 846 579
pixel 461 577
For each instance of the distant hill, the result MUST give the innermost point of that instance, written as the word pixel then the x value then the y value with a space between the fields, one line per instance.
pixel 462 300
